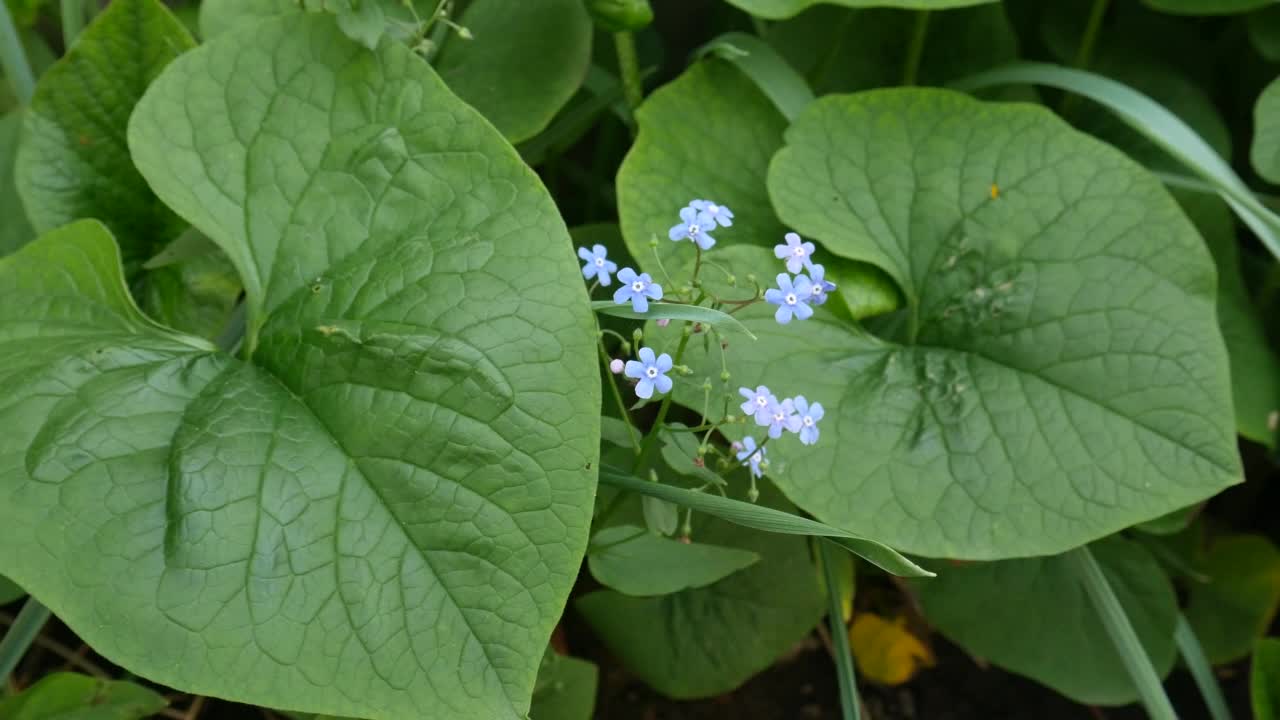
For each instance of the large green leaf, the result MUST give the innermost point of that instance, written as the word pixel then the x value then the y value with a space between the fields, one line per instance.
pixel 1264 680
pixel 382 515
pixel 73 161
pixel 722 155
pixel 1233 610
pixel 526 61
pixel 707 641
pixel 1255 369
pixel 1060 374
pixel 9 591
pixel 778 9
pixel 636 562
pixel 15 229
pixel 1265 150
pixel 69 696
pixel 1032 617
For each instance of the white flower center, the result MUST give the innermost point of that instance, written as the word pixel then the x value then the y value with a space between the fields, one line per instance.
pixel 808 421
pixel 762 400
pixel 779 416
pixel 791 298
pixel 599 262
pixel 651 372
pixel 694 229
pixel 799 251
pixel 638 286
pixel 817 289
pixel 756 458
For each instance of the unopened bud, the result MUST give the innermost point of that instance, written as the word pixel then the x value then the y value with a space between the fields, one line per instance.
pixel 731 419
pixel 698 462
pixel 663 322
pixel 706 385
pixel 697 327
pixel 724 376
pixel 636 336
pixel 735 446
pixel 702 451
pixel 616 366
pixel 683 369
pixel 753 494
pixel 653 241
pixel 732 280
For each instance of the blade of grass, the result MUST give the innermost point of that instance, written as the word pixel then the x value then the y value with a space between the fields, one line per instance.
pixel 72 21
pixel 850 706
pixel 770 72
pixel 21 634
pixel 1193 655
pixel 1117 624
pixel 1148 117
pixel 673 311
pixel 13 58
pixel 767 519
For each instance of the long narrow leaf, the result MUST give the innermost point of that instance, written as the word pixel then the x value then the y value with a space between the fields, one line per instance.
pixel 673 311
pixel 767 519
pixel 850 706
pixel 775 77
pixel 1132 654
pixel 1193 655
pixel 1151 119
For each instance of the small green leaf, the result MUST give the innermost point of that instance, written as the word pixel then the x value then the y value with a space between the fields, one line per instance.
pixel 363 21
pixel 69 696
pixel 679 449
pixel 767 69
pixel 1265 151
pixel 566 689
pixel 73 161
pixel 761 517
pixel 660 516
pixel 1264 679
pixel 524 62
pixel 636 562
pixel 779 9
pixel 194 296
pixel 1032 617
pixel 1235 607
pixel 673 311
pixel 707 641
pixel 1060 374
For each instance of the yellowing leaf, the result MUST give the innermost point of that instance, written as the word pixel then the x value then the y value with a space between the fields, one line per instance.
pixel 886 651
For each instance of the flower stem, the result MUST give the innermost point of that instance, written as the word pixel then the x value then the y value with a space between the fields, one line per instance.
pixel 31 618
pixel 849 703
pixel 13 58
pixel 617 397
pixel 629 66
pixel 1084 53
pixel 915 51
pixel 651 440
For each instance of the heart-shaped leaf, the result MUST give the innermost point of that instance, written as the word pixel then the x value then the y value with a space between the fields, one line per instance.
pixel 69 696
pixel 382 512
pixel 636 562
pixel 1060 374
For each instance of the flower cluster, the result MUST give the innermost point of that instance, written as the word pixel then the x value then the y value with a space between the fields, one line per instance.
pixel 795 297
pixel 697 220
pixel 794 415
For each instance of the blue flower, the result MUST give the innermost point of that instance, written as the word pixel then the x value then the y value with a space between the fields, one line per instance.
pixel 597 264
pixel 782 416
pixel 809 416
pixel 757 403
pixel 791 299
pixel 694 225
pixel 638 289
pixel 650 371
pixel 818 285
pixel 796 253
pixel 722 215
pixel 755 456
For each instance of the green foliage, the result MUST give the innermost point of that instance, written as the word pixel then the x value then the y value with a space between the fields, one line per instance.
pixel 620 15
pixel 566 689
pixel 1207 7
pixel 1264 679
pixel 16 230
pixel 636 562
pixel 68 696
pixel 706 641
pixel 1265 152
pixel 402 551
pixel 1000 330
pixel 1235 607
pixel 1033 617
pixel 777 9
pixel 9 591
pixel 73 161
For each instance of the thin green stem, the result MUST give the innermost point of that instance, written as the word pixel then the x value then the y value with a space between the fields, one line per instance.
pixel 1193 655
pixel 1084 53
pixel 13 58
pixel 21 634
pixel 915 51
pixel 72 21
pixel 850 706
pixel 617 397
pixel 651 440
pixel 1126 641
pixel 629 68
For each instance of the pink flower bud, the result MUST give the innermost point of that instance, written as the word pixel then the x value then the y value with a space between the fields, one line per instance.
pixel 615 366
pixel 663 322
